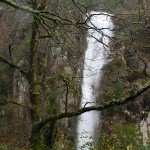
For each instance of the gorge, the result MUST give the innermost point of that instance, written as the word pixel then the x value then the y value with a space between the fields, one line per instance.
pixel 56 69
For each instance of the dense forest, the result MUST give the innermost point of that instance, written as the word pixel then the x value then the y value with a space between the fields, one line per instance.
pixel 42 49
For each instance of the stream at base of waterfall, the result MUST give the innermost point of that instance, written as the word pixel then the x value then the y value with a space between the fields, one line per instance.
pixel 100 30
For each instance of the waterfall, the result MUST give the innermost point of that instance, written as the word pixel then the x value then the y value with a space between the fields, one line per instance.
pixel 96 56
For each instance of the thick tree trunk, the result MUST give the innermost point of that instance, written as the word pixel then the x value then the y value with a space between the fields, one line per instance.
pixel 49 134
pixel 36 140
pixel 51 127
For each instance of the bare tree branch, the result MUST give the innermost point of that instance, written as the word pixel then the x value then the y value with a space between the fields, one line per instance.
pixel 46 15
pixel 97 108
pixel 6 100
pixel 12 65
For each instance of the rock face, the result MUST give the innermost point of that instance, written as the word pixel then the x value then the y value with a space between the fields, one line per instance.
pixel 21 92
pixel 144 128
pixel 59 60
pixel 127 73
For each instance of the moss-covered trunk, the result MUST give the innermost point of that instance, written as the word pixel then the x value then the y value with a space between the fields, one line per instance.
pixel 50 129
pixel 34 90
pixel 36 140
pixel 33 86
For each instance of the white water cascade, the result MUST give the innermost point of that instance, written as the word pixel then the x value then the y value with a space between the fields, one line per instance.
pixel 96 56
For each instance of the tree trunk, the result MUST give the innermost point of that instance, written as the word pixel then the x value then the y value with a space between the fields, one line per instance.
pixel 36 140
pixel 49 134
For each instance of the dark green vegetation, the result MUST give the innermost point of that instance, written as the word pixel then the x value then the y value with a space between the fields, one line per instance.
pixel 42 46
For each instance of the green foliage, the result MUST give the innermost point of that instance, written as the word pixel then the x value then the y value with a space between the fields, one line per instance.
pixel 88 145
pixel 122 136
pixel 62 143
pixel 116 88
pixel 118 91
pixel 116 64
pixel 125 133
pixel 129 134
pixel 147 83
pixel 3 147
pixel 105 141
